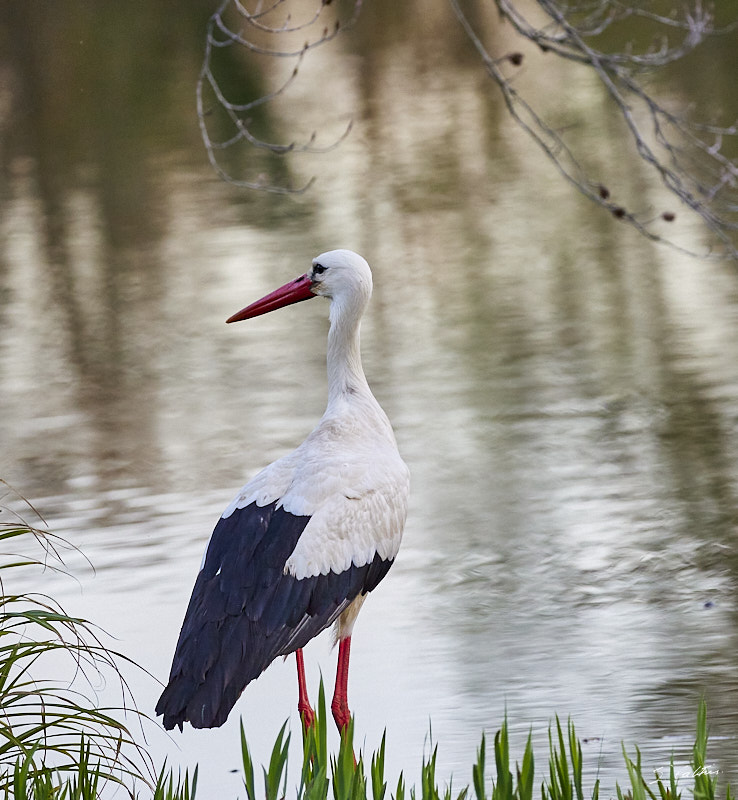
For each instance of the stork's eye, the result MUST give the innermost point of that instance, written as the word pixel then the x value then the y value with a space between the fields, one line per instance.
pixel 318 269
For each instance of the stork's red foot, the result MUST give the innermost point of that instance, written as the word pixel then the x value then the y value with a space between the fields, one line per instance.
pixel 307 715
pixel 341 713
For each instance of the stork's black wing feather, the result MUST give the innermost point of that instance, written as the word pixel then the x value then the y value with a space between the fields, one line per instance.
pixel 245 611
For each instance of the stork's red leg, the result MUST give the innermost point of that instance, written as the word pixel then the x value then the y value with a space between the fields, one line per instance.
pixel 339 706
pixel 307 715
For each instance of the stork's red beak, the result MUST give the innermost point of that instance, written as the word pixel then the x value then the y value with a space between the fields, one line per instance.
pixel 293 292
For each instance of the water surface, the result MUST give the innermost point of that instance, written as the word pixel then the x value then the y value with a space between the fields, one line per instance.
pixel 565 394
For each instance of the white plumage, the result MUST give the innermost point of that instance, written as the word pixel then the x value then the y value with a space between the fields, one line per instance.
pixel 324 524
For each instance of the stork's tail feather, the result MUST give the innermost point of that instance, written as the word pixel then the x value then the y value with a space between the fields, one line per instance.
pixel 204 705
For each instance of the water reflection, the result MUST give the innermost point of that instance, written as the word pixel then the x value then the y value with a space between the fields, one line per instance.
pixel 564 393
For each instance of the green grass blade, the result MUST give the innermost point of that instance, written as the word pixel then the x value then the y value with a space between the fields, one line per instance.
pixel 575 756
pixel 704 782
pixel 346 773
pixel 275 777
pixel 379 784
pixel 502 788
pixel 248 766
pixel 478 771
pixel 526 771
pixel 400 790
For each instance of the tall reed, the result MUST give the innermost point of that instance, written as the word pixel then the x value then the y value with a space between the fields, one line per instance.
pixel 51 729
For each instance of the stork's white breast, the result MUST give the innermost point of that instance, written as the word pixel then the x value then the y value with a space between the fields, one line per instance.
pixel 354 489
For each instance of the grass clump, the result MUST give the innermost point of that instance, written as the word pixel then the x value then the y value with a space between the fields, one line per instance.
pixel 344 777
pixel 54 739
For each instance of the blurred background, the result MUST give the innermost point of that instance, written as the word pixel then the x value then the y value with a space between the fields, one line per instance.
pixel 564 391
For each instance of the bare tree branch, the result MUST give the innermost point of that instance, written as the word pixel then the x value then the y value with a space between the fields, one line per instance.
pixel 687 155
pixel 687 163
pixel 253 25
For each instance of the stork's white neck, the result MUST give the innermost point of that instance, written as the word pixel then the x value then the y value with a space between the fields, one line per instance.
pixel 345 373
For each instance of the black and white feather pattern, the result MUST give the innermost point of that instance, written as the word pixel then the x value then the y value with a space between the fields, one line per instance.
pixel 245 612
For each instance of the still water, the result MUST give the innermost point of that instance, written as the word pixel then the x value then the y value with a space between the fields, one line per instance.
pixel 565 394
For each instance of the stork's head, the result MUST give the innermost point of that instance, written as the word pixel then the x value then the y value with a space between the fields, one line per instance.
pixel 341 275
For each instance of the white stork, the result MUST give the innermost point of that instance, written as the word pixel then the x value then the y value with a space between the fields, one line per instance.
pixel 306 539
